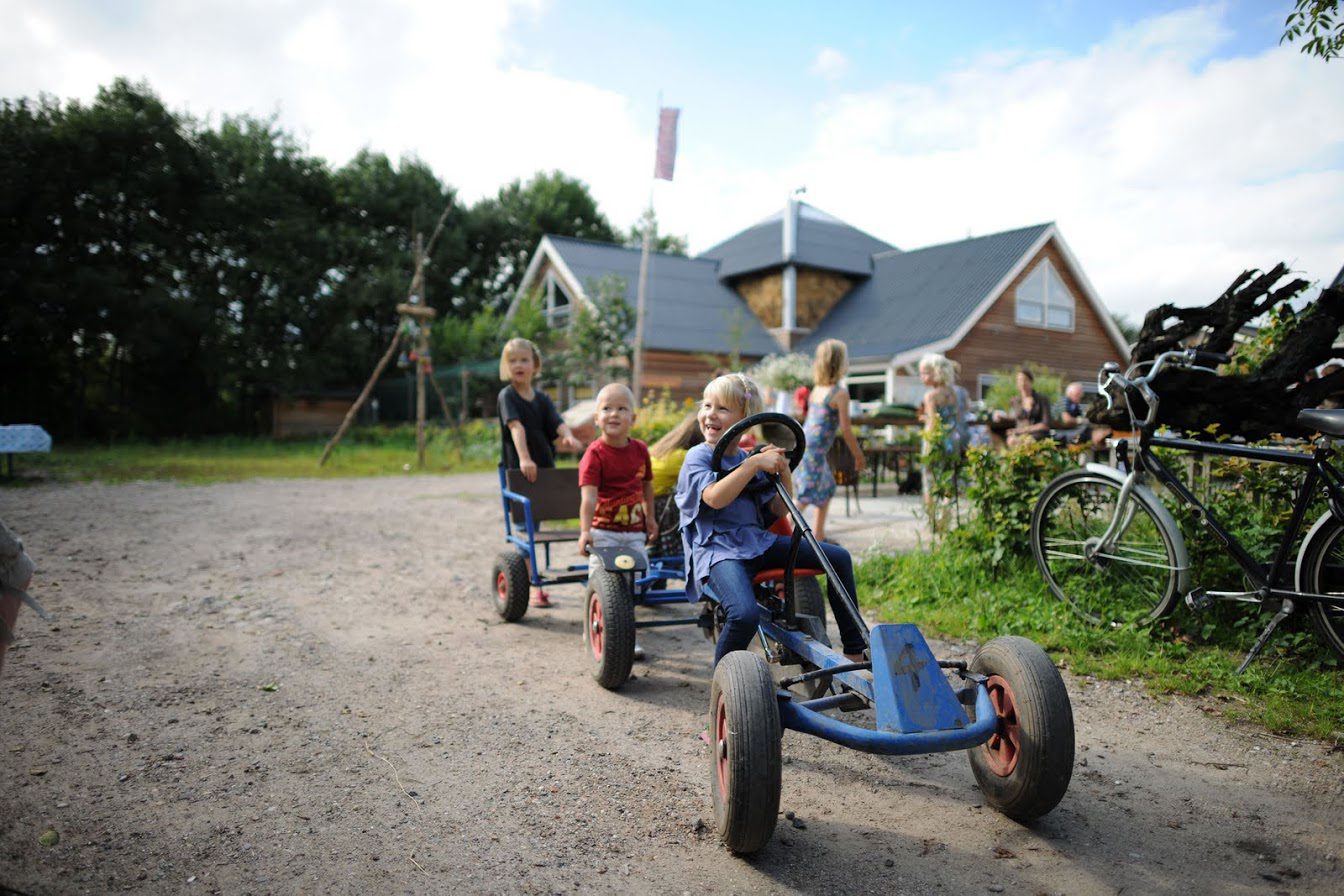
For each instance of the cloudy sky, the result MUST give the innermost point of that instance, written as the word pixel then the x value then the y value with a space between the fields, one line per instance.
pixel 1175 144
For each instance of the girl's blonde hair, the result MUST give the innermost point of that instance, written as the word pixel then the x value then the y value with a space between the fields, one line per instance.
pixel 736 390
pixel 830 363
pixel 940 369
pixel 518 344
pixel 685 434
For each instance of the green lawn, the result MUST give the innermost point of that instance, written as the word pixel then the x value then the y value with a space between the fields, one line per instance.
pixel 1293 688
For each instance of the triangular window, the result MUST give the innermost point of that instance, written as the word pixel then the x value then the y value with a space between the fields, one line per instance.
pixel 1043 300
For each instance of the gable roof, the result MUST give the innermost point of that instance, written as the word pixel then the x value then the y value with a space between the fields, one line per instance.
pixel 924 296
pixel 824 242
pixel 687 308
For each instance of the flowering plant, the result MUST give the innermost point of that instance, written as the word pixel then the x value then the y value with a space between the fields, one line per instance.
pixel 785 372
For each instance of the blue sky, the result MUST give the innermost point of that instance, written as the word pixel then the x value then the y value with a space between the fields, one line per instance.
pixel 1175 144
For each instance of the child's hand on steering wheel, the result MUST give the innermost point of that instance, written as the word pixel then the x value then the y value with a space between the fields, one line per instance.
pixel 771 460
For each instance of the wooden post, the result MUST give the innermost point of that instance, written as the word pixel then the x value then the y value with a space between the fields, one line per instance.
pixel 462 411
pixel 363 397
pixel 422 316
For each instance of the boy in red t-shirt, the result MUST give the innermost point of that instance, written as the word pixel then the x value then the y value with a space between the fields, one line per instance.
pixel 615 479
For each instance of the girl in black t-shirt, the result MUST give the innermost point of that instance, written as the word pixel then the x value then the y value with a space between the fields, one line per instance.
pixel 529 424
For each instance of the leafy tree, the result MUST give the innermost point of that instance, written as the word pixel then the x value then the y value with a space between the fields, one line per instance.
pixel 100 205
pixel 503 232
pixel 668 243
pixel 1319 21
pixel 598 347
pixel 382 208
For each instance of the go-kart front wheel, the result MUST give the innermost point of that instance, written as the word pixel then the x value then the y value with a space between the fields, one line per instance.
pixel 509 585
pixel 609 628
pixel 745 756
pixel 1025 766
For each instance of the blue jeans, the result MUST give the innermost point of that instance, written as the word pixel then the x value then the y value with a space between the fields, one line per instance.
pixel 732 586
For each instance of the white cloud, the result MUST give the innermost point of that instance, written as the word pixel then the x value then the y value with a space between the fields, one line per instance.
pixel 1168 170
pixel 830 64
pixel 1168 173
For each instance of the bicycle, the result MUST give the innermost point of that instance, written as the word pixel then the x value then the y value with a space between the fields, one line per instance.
pixel 1110 549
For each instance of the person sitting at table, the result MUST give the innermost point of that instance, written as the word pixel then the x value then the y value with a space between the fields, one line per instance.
pixel 1028 415
pixel 827 416
pixel 1075 428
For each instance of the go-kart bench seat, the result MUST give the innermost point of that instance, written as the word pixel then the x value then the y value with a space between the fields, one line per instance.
pixel 554 496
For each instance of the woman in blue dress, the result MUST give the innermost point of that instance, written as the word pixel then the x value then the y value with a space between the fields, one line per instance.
pixel 827 417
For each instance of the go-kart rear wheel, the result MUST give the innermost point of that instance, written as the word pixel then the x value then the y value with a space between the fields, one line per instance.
pixel 745 751
pixel 509 585
pixel 609 628
pixel 1025 766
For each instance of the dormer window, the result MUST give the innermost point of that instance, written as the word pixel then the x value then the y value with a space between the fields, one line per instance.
pixel 1044 301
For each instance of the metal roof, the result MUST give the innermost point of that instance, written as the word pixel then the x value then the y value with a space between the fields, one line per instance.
pixel 824 242
pixel 922 296
pixel 687 307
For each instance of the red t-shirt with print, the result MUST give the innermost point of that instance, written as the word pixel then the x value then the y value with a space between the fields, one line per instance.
pixel 619 474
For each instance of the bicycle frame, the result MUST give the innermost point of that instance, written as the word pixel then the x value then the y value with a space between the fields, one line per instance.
pixel 1267 582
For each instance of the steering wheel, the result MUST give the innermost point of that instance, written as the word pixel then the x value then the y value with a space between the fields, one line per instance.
pixel 795 453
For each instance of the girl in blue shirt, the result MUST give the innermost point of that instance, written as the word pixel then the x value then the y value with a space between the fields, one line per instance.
pixel 725 524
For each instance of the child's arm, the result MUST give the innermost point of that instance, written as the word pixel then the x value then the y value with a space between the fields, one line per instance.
pixel 587 507
pixel 650 521
pixel 568 441
pixel 720 494
pixel 525 461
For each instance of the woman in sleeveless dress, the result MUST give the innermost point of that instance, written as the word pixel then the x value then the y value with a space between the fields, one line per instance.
pixel 827 416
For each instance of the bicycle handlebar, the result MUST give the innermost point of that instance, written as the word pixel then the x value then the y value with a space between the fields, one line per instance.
pixel 1188 359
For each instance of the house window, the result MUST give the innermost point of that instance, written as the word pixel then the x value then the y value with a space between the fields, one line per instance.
pixel 557 303
pixel 1044 301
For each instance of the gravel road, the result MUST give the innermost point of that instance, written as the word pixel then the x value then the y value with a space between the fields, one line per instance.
pixel 300 686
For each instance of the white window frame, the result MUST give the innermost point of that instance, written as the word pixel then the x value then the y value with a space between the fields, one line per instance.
pixel 1054 298
pixel 558 313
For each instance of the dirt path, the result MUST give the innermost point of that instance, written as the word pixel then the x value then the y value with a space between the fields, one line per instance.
pixel 301 686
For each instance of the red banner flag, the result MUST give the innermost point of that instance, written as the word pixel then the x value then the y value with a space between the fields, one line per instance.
pixel 667 144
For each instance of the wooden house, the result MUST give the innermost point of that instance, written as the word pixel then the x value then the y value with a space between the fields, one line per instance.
pixel 801 276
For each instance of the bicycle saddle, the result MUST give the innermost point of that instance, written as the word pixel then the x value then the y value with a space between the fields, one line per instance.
pixel 1329 422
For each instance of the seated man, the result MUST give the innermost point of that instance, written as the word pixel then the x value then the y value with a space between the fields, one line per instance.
pixel 1075 428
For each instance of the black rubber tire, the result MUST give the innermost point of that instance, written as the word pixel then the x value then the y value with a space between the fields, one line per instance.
pixel 1137 581
pixel 509 583
pixel 1321 571
pixel 1024 769
pixel 609 628
pixel 745 762
pixel 810 610
pixel 809 600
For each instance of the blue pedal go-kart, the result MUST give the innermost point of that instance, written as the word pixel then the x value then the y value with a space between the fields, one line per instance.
pixel 1007 707
pixel 623 580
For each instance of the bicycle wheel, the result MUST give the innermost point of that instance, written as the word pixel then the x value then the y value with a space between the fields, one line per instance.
pixel 1134 578
pixel 1320 570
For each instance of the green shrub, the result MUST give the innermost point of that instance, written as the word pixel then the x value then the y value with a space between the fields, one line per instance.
pixel 1002 488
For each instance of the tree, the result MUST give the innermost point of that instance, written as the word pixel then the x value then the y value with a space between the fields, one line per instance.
pixel 100 212
pixel 503 232
pixel 598 344
pixel 1319 20
pixel 667 243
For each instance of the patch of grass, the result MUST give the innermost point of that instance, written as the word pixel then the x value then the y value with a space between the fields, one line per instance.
pixel 363 452
pixel 1291 689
